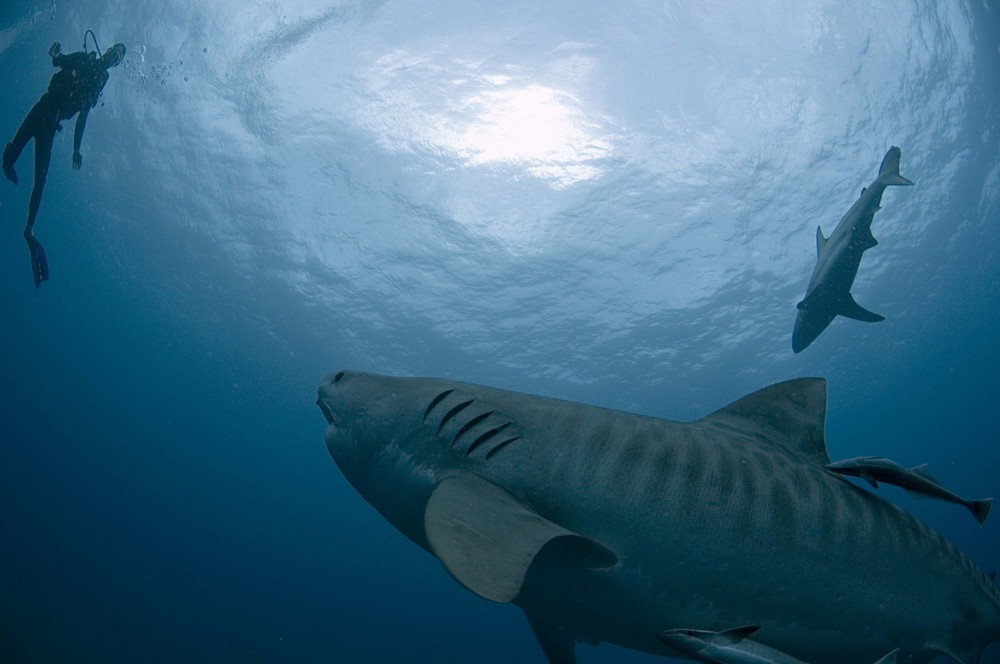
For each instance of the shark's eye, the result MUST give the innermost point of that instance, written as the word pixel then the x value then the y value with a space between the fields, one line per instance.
pixel 340 374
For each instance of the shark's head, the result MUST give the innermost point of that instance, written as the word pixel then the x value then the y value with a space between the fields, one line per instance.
pixel 694 641
pixel 376 439
pixel 809 324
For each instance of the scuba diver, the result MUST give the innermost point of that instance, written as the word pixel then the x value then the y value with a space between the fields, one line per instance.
pixel 73 89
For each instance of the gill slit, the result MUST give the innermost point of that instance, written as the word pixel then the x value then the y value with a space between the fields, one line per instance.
pixel 489 455
pixel 438 399
pixel 471 423
pixel 453 412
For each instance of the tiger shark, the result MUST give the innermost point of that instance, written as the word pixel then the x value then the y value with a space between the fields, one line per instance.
pixel 608 526
pixel 838 259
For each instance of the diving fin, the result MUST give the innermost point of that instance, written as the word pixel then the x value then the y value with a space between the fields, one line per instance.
pixel 39 263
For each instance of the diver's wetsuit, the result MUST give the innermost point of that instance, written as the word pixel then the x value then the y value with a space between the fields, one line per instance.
pixel 73 89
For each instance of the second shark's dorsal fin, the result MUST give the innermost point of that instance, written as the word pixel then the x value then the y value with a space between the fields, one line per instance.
pixel 820 240
pixel 791 415
pixel 487 539
pixel 733 636
pixel 924 471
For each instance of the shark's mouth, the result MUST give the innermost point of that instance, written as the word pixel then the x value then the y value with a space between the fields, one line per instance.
pixel 327 411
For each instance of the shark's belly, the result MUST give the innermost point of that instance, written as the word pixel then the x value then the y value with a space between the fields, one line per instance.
pixel 836 269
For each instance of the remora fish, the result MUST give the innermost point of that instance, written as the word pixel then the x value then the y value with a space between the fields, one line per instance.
pixel 732 647
pixel 917 480
pixel 838 258
pixel 609 526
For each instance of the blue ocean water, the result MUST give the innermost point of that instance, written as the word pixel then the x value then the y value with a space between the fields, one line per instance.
pixel 612 203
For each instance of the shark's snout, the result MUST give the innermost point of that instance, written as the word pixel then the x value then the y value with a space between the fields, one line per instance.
pixel 326 395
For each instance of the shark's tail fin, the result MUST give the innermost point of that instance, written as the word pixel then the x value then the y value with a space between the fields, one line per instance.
pixel 980 509
pixel 888 173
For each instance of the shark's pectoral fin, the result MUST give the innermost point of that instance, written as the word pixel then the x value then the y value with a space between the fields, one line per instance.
pixel 556 641
pixel 851 309
pixel 866 240
pixel 487 539
pixel 867 477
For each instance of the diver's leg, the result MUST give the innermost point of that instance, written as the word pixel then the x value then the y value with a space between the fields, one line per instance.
pixel 33 122
pixel 43 155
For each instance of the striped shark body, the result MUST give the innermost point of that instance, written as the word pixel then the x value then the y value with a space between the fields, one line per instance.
pixel 609 526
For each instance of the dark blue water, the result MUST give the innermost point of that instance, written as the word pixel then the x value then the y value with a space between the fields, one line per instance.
pixel 613 203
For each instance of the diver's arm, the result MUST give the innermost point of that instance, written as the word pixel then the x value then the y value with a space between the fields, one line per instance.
pixel 60 59
pixel 81 124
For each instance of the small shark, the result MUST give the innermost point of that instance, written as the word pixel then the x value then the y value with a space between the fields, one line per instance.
pixel 603 525
pixel 733 647
pixel 917 480
pixel 838 258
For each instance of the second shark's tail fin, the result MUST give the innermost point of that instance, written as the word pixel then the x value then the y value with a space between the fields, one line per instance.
pixel 980 509
pixel 888 173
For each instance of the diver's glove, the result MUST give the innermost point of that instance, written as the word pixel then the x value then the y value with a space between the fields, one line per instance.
pixel 55 50
pixel 77 161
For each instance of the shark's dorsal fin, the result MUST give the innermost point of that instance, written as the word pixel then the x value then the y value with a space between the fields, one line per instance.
pixel 820 240
pixel 487 539
pixel 849 308
pixel 791 415
pixel 733 636
pixel 924 471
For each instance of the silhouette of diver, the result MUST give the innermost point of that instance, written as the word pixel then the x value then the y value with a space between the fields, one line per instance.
pixel 73 89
